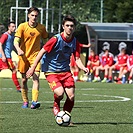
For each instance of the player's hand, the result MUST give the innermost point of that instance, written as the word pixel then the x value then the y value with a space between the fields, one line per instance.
pixel 4 59
pixel 20 52
pixel 29 73
pixel 86 70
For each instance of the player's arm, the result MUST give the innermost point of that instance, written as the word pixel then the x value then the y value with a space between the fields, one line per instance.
pixel 78 60
pixel 46 49
pixel 16 45
pixel 3 39
pixel 85 45
pixel 17 39
pixel 37 60
pixel 80 65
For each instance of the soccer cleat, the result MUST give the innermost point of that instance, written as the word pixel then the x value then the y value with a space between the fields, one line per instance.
pixel 95 80
pixel 35 105
pixel 25 105
pixel 109 81
pixel 119 82
pixel 104 80
pixel 19 90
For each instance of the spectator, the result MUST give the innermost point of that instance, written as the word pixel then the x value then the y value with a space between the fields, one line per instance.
pixel 93 61
pixel 106 62
pixel 121 63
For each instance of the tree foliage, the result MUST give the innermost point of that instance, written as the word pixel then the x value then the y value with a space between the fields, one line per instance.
pixel 118 11
pixel 83 10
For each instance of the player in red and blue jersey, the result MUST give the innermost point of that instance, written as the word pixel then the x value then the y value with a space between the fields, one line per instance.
pixel 6 47
pixel 57 52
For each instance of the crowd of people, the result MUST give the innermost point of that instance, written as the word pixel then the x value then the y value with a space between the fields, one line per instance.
pixel 107 64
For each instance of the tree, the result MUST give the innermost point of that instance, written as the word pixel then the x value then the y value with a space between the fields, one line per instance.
pixel 118 11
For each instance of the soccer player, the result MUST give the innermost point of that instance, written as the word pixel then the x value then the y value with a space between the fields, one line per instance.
pixel 130 68
pixel 106 61
pixel 57 52
pixel 93 61
pixel 6 47
pixel 73 66
pixel 121 63
pixel 27 43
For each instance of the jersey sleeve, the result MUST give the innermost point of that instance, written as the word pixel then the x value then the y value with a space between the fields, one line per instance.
pixel 19 31
pixel 50 44
pixel 81 45
pixel 78 50
pixel 3 38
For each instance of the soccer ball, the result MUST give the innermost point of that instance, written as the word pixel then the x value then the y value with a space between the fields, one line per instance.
pixel 63 118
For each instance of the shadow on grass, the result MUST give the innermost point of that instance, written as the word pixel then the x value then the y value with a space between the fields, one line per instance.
pixel 104 123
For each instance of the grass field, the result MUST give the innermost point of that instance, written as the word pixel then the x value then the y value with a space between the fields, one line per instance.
pixel 99 108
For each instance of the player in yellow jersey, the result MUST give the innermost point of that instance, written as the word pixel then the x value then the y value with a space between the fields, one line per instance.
pixel 27 43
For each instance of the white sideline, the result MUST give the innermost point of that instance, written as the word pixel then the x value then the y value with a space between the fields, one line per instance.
pixel 120 99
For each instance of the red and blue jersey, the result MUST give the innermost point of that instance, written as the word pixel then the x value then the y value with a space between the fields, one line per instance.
pixel 59 51
pixel 7 44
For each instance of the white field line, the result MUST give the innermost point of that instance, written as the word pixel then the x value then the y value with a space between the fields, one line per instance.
pixel 116 99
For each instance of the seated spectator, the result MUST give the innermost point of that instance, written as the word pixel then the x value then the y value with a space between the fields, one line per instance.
pixel 93 61
pixel 121 63
pixel 106 60
pixel 130 68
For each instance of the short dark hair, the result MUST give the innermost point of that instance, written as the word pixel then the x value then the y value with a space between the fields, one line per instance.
pixel 69 18
pixel 11 22
pixel 33 9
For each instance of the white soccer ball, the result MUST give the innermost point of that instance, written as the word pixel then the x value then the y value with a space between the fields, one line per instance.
pixel 63 118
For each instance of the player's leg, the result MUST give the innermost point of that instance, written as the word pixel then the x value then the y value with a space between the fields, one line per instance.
pixel 106 68
pixel 96 76
pixel 24 91
pixel 68 84
pixel 35 91
pixel 58 96
pixel 130 81
pixel 57 88
pixel 110 73
pixel 69 103
pixel 14 74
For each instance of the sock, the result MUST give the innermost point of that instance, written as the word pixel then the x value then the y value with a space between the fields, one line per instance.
pixel 110 78
pixel 68 106
pixel 15 80
pixel 118 79
pixel 105 77
pixel 24 93
pixel 75 74
pixel 56 106
pixel 35 94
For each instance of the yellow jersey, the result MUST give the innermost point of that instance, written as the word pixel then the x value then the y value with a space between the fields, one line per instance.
pixel 31 38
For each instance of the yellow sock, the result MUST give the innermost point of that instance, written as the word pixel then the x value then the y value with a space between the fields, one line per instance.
pixel 24 93
pixel 35 94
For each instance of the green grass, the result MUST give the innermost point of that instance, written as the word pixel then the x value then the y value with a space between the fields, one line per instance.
pixel 89 114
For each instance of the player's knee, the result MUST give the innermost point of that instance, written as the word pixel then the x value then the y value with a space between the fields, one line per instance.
pixel 24 80
pixel 60 96
pixel 71 97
